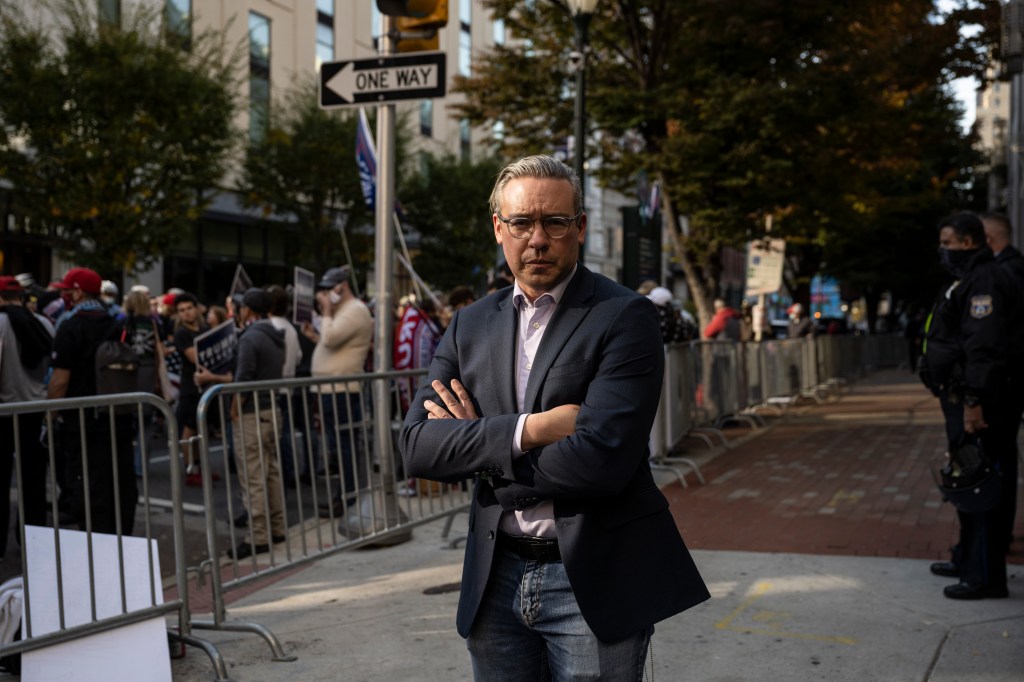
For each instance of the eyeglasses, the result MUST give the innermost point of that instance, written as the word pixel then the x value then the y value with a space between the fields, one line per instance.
pixel 555 226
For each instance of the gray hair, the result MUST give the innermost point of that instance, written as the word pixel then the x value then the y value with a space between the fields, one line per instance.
pixel 539 166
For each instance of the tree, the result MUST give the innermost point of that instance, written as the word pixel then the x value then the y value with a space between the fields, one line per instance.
pixel 446 203
pixel 304 172
pixel 769 107
pixel 113 139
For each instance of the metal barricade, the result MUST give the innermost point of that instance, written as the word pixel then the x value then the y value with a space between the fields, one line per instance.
pixel 360 497
pixel 783 369
pixel 85 449
pixel 674 419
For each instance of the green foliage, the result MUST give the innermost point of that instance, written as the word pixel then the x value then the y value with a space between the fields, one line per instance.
pixel 834 118
pixel 112 139
pixel 446 203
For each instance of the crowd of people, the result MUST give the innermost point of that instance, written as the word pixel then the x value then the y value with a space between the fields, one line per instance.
pixel 49 340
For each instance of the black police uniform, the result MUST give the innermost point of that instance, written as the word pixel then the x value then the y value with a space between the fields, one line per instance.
pixel 1012 261
pixel 974 354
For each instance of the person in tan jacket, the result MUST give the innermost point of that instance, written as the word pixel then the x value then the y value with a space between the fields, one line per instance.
pixel 342 345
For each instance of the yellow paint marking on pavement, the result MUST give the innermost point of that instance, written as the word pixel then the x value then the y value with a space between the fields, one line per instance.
pixel 843 496
pixel 771 622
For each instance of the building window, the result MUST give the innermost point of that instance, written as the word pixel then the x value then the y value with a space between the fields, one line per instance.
pixel 465 50
pixel 259 75
pixel 178 23
pixel 427 117
pixel 465 14
pixel 324 31
pixel 110 12
pixel 464 139
pixel 498 31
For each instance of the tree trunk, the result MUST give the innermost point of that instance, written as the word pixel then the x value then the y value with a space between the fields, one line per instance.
pixel 700 291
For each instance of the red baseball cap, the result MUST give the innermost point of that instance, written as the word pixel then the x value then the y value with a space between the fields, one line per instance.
pixel 8 283
pixel 85 279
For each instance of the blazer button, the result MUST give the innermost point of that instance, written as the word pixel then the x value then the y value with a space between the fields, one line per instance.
pixel 490 535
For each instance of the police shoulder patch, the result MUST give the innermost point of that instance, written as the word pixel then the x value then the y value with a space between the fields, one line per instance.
pixel 981 306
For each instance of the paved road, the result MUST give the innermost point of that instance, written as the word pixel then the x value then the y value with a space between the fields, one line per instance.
pixel 814 536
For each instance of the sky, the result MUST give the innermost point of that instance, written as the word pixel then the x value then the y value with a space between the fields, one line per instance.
pixel 965 89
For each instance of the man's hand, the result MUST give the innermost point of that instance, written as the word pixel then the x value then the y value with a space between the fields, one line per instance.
pixel 458 401
pixel 203 376
pixel 974 419
pixel 310 332
pixel 323 297
pixel 544 428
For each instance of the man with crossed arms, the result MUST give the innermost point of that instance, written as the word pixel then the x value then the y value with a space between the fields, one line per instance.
pixel 545 393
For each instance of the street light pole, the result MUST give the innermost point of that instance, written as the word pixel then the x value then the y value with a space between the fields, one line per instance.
pixel 1013 62
pixel 582 11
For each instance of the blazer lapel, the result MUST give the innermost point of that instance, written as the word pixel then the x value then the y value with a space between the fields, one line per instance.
pixel 502 324
pixel 567 317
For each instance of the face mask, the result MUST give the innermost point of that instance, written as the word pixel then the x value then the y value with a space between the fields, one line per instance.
pixel 334 297
pixel 955 260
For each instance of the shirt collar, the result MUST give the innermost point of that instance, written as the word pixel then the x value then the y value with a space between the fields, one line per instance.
pixel 519 298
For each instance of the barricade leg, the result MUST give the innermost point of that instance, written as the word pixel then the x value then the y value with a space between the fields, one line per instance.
pixel 220 669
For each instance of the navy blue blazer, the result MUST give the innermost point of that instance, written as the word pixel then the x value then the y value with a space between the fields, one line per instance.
pixel 601 350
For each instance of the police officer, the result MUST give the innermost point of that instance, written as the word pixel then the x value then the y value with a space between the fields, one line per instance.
pixel 973 360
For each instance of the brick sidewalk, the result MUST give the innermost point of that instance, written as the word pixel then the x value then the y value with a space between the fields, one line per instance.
pixel 850 477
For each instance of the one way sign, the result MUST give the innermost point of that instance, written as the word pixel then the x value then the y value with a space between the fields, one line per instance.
pixel 382 79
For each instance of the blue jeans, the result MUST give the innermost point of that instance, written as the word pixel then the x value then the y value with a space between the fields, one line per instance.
pixel 342 441
pixel 529 628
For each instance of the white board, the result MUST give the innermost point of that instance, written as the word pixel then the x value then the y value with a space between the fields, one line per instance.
pixel 126 654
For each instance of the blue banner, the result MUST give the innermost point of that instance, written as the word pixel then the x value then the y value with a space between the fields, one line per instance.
pixel 366 159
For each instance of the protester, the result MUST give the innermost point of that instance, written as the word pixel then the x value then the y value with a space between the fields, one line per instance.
pixel 26 340
pixel 674 329
pixel 190 325
pixel 800 325
pixel 109 297
pixel 216 315
pixel 78 337
pixel 342 346
pixel 279 304
pixel 726 323
pixel 260 357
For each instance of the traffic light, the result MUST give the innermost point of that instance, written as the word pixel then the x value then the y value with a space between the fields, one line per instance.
pixel 407 8
pixel 417 22
pixel 433 19
pixel 430 44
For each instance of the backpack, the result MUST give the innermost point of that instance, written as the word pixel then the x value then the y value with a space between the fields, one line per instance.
pixel 117 369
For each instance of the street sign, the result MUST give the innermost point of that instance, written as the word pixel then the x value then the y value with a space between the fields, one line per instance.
pixel 382 79
pixel 765 259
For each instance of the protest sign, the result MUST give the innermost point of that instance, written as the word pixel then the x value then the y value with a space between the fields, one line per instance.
pixel 302 305
pixel 215 349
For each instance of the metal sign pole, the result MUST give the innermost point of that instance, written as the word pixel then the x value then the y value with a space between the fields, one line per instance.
pixel 385 263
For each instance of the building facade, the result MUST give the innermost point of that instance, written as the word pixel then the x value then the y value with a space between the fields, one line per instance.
pixel 286 41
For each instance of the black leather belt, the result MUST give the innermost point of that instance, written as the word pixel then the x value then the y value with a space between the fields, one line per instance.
pixel 530 548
